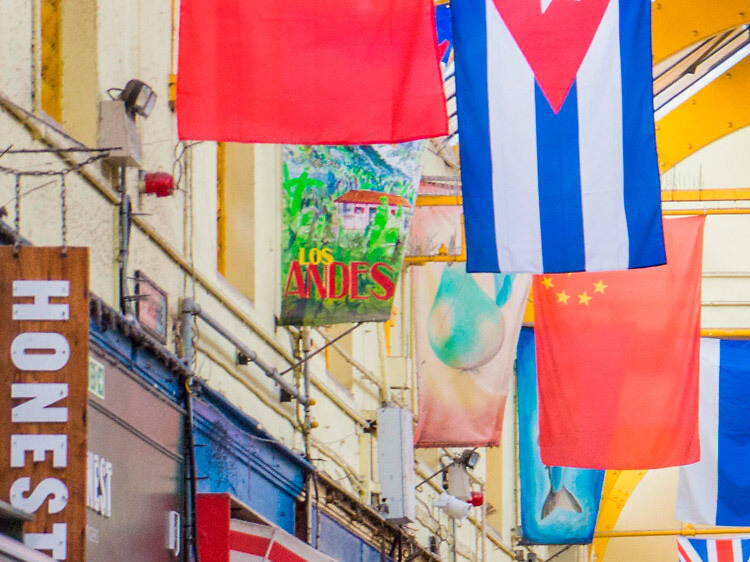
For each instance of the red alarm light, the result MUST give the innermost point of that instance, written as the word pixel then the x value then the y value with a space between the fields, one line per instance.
pixel 477 499
pixel 160 184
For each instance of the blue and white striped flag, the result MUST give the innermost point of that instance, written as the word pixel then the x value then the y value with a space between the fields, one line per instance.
pixel 558 154
pixel 716 490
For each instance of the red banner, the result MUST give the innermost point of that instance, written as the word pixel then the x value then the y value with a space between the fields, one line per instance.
pixel 309 71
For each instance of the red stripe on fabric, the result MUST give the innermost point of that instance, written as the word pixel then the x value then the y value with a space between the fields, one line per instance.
pixel 724 551
pixel 249 544
pixel 683 555
pixel 280 553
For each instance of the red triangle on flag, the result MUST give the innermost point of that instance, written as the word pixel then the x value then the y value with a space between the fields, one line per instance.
pixel 554 41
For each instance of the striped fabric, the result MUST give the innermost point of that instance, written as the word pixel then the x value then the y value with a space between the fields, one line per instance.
pixel 713 550
pixel 557 189
pixel 716 490
pixel 251 542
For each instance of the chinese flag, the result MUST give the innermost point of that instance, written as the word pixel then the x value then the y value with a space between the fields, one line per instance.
pixel 309 71
pixel 617 360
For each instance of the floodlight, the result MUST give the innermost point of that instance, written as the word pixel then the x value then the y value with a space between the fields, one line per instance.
pixel 138 97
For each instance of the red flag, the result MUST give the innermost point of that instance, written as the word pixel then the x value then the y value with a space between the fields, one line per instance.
pixel 617 360
pixel 309 71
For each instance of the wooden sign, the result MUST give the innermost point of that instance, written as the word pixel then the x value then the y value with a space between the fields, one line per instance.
pixel 44 334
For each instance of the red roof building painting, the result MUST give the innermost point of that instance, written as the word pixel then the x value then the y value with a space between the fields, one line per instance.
pixel 357 207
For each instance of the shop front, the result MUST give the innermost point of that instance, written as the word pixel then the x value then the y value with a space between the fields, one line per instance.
pixel 135 475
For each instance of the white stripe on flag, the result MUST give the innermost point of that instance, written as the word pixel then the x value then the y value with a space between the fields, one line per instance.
pixel 711 550
pixel 737 550
pixel 698 487
pixel 693 556
pixel 512 115
pixel 599 82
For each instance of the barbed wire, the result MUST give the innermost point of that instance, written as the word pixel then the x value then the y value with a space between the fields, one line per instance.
pixel 69 169
pixel 59 173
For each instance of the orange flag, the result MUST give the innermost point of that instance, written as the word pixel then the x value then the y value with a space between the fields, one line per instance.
pixel 617 360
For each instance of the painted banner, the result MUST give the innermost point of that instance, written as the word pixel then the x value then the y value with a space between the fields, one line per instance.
pixel 437 229
pixel 466 330
pixel 346 213
pixel 44 314
pixel 559 505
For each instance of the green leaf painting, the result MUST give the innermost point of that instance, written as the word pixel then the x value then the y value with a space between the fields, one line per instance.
pixel 346 215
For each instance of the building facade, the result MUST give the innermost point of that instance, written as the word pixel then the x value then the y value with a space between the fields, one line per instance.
pixel 188 411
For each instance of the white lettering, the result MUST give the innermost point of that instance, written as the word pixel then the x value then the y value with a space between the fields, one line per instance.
pixel 41 309
pixel 39 445
pixel 99 484
pixel 47 487
pixel 44 343
pixel 42 395
pixel 56 541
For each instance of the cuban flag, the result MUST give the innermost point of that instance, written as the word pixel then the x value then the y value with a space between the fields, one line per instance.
pixel 716 490
pixel 713 550
pixel 558 153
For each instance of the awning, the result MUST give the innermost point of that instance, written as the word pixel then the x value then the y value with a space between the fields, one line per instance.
pixel 230 531
pixel 252 542
pixel 11 549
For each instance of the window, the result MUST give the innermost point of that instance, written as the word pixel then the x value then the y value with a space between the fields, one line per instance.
pixel 51 70
pixel 236 216
pixel 338 366
pixel 494 486
pixel 68 81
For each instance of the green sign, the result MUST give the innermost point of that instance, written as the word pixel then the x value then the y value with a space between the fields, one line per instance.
pixel 96 378
pixel 346 216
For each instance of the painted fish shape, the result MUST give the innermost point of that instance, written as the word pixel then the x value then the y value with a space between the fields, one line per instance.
pixel 559 496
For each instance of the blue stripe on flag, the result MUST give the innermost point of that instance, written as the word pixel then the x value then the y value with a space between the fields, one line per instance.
pixel 642 185
pixel 733 501
pixel 470 43
pixel 699 544
pixel 558 163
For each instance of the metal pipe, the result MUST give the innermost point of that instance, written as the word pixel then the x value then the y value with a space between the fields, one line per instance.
pixel 188 332
pixel 191 307
pixel 726 333
pixel 382 387
pixel 309 355
pixel 307 427
pixel 686 532
pixel 123 242
pixel 484 524
pixel 740 211
pixel 455 540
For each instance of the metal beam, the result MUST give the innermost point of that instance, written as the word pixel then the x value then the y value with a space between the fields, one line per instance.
pixel 191 307
pixel 677 24
pixel 720 109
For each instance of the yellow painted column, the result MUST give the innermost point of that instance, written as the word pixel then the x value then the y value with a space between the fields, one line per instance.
pixel 618 486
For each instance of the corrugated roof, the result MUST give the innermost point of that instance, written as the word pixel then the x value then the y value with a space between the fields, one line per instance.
pixel 372 198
